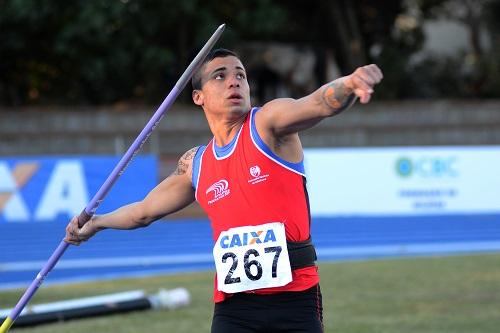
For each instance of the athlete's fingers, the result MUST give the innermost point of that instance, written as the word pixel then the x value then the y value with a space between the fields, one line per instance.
pixel 72 232
pixel 370 74
pixel 358 83
pixel 373 72
pixel 364 96
pixel 366 76
pixel 72 225
pixel 376 71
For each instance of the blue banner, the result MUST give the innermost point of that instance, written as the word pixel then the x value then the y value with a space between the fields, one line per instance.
pixel 54 189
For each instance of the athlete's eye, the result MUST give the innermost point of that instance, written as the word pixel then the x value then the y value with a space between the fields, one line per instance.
pixel 240 76
pixel 219 76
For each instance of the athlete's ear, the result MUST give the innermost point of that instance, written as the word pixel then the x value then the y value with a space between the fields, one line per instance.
pixel 197 97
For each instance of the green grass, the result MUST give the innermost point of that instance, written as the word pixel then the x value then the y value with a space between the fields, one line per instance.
pixel 438 294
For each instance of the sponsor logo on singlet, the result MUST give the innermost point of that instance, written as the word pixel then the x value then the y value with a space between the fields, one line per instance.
pixel 255 172
pixel 247 238
pixel 220 189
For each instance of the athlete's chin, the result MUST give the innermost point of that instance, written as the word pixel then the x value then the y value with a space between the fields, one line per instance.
pixel 239 109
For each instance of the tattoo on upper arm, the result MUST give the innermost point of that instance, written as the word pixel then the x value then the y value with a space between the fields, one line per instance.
pixel 189 155
pixel 337 97
pixel 183 164
pixel 181 168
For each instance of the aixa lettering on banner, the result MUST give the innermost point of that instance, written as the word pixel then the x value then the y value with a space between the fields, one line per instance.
pixel 50 189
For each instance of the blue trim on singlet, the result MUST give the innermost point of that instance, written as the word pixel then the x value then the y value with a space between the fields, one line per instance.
pixel 225 150
pixel 299 166
pixel 197 165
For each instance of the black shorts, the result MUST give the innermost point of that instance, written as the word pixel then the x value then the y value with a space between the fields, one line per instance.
pixel 294 311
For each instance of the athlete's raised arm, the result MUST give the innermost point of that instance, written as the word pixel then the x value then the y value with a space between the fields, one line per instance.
pixel 172 194
pixel 285 116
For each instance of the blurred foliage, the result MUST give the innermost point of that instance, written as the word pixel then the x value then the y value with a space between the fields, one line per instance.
pixel 465 74
pixel 105 51
pixel 102 51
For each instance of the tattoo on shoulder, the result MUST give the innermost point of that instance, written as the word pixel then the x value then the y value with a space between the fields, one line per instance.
pixel 183 164
pixel 336 96
pixel 181 168
pixel 189 155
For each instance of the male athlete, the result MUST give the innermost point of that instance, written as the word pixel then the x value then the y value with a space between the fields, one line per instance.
pixel 250 181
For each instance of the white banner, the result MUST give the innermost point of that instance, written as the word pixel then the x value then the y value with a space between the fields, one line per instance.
pixel 403 181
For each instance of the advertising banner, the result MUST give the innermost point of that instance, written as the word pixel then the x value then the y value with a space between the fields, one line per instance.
pixel 404 181
pixel 49 189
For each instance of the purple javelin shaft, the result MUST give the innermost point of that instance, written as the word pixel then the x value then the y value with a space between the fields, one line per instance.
pixel 92 206
pixel 134 148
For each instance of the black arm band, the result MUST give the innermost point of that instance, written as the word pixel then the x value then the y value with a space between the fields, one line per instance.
pixel 302 254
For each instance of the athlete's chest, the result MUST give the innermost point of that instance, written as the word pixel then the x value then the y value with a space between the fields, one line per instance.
pixel 245 173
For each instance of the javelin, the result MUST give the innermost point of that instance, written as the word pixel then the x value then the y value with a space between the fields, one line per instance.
pixel 91 207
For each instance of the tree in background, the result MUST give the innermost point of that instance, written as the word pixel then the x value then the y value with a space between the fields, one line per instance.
pixel 107 51
pixel 470 71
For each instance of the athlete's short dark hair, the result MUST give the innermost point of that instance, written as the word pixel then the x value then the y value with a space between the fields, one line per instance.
pixel 217 53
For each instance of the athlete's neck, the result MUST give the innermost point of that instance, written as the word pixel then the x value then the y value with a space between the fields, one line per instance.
pixel 224 129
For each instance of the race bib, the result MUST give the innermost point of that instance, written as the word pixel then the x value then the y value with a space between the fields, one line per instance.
pixel 252 257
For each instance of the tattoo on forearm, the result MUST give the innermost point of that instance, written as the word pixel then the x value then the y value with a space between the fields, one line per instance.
pixel 183 164
pixel 337 97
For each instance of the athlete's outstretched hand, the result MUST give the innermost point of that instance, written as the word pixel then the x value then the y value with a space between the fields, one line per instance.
pixel 362 81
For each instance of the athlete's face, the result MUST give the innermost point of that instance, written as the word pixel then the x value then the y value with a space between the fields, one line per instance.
pixel 224 87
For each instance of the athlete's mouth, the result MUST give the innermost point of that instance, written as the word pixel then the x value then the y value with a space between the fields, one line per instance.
pixel 235 96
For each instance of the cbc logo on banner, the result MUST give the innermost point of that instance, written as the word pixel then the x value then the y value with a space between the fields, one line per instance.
pixel 427 167
pixel 64 192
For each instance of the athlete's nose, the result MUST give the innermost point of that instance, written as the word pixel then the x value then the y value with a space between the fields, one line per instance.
pixel 233 82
